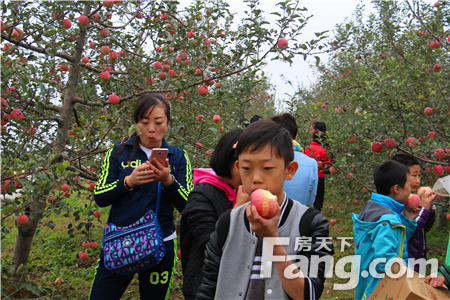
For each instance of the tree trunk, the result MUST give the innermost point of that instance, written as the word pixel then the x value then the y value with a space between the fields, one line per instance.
pixel 441 212
pixel 25 235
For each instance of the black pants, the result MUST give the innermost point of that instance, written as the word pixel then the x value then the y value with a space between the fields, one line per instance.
pixel 318 203
pixel 153 283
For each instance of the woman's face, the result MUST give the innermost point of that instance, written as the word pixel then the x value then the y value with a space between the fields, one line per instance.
pixel 313 130
pixel 235 181
pixel 153 127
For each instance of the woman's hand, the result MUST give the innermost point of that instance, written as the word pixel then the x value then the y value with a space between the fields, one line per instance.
pixel 161 172
pixel 140 175
pixel 263 227
pixel 241 197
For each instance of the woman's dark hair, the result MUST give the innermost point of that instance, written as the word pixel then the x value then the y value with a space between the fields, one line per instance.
pixel 320 125
pixel 288 122
pixel 143 104
pixel 389 174
pixel 406 159
pixel 267 132
pixel 224 155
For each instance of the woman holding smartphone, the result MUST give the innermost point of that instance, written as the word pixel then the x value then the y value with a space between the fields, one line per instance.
pixel 129 184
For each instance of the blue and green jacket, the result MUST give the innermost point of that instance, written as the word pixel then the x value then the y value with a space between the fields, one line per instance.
pixel 381 230
pixel 128 206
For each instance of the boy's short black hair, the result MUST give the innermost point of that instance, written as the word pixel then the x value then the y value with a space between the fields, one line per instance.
pixel 266 132
pixel 224 156
pixel 288 122
pixel 406 159
pixel 388 174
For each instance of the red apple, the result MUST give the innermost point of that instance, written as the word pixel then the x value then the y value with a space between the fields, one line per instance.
pixel 429 111
pixel 221 129
pixel 358 56
pixel 22 220
pixel 92 185
pixel 65 187
pixel 383 56
pixel 166 68
pixel 162 75
pixel 351 141
pixel 198 145
pixel 17 34
pixel 424 191
pixel 349 175
pixel 97 214
pixel 139 15
pixel 86 245
pixel 332 170
pixel 199 117
pixel 114 99
pixel 157 65
pixel 447 169
pixel 67 23
pixel 216 119
pixel 431 134
pixel 85 60
pixel 439 153
pixel 183 56
pixel 179 254
pixel 448 216
pixel 437 4
pixel 64 68
pixel 389 143
pixel 282 43
pixel 109 3
pixel 104 32
pixel 357 201
pixel 4 104
pixel 365 190
pixel 97 18
pixel 438 170
pixel 93 245
pixel 377 147
pixel 83 20
pixel 172 73
pixel 17 114
pixel 203 90
pixel 333 222
pixel 113 55
pixel 92 45
pixel 83 255
pixel 105 50
pixel 67 194
pixel 413 201
pixel 411 141
pixel 105 76
pixel 265 202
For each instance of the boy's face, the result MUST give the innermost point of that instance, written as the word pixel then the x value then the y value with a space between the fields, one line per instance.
pixel 264 170
pixel 405 191
pixel 414 172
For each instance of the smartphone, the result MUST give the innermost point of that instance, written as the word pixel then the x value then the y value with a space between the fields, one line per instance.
pixel 160 154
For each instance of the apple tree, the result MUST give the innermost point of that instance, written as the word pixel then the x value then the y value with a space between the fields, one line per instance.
pixel 385 90
pixel 72 70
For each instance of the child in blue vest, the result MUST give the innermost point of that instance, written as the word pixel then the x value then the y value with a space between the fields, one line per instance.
pixel 381 230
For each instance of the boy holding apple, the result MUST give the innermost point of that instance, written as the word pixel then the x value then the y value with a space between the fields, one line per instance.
pixel 425 216
pixel 234 254
pixel 381 230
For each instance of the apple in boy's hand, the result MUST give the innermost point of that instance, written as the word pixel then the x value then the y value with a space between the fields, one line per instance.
pixel 413 201
pixel 424 191
pixel 265 203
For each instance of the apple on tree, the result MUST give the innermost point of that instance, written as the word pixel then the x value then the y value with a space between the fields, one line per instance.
pixel 216 119
pixel 389 143
pixel 22 220
pixel 282 43
pixel 377 147
pixel 114 99
pixel 203 90
pixel 97 214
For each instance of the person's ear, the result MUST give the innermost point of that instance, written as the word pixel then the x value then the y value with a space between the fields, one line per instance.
pixel 291 169
pixel 237 164
pixel 395 189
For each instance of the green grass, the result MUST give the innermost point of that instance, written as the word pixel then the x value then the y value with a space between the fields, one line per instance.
pixel 55 267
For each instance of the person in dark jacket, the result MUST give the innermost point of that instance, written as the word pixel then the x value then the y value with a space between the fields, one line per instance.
pixel 235 265
pixel 214 193
pixel 417 244
pixel 129 183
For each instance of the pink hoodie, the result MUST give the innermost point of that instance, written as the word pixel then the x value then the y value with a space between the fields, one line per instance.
pixel 210 177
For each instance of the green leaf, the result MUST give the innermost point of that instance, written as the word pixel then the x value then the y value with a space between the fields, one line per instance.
pixel 32 287
pixel 50 224
pixel 133 128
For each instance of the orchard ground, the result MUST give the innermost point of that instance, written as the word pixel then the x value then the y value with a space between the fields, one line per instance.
pixel 55 267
